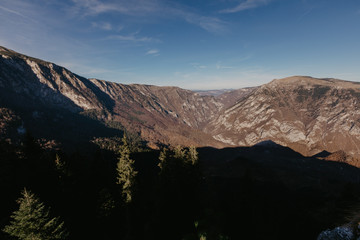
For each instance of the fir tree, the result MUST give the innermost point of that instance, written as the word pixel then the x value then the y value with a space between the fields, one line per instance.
pixel 164 156
pixel 126 172
pixel 33 221
pixel 192 156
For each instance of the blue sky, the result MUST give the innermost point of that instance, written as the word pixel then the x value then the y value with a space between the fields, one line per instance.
pixel 194 44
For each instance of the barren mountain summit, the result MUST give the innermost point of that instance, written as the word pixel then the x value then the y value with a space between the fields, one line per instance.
pixel 310 81
pixel 307 114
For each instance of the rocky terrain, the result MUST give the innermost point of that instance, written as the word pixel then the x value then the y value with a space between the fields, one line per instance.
pixel 306 114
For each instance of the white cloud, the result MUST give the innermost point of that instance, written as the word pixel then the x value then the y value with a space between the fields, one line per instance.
pixel 154 52
pixel 142 8
pixel 210 24
pixel 198 66
pixel 11 11
pixel 16 13
pixel 220 66
pixel 134 7
pixel 132 38
pixel 248 4
pixel 102 25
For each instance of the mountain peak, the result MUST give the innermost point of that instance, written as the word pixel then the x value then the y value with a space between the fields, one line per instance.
pixel 311 81
pixel 304 113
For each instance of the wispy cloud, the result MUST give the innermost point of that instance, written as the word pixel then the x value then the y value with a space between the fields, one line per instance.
pixel 219 66
pixel 11 11
pixel 305 14
pixel 142 8
pixel 153 52
pixel 132 38
pixel 245 5
pixel 95 7
pixel 198 66
pixel 102 25
pixel 16 13
pixel 210 24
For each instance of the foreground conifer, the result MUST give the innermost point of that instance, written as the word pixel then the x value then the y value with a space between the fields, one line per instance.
pixel 126 172
pixel 33 221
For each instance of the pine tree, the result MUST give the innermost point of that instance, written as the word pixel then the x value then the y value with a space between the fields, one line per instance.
pixel 33 221
pixel 192 156
pixel 164 156
pixel 126 172
pixel 178 188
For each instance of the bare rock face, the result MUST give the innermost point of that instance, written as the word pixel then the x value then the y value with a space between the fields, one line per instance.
pixel 159 114
pixel 306 114
pixel 53 84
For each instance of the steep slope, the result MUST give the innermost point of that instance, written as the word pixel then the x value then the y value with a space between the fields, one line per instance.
pixel 162 114
pixel 304 113
pixel 307 114
pixel 159 114
pixel 52 84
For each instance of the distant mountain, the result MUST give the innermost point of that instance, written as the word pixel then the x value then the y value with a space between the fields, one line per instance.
pixel 306 114
pixel 214 92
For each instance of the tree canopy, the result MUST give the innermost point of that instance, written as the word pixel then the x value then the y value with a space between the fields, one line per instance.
pixel 33 221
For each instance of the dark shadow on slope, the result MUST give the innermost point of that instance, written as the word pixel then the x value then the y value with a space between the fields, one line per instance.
pixel 273 192
pixel 322 154
pixel 52 122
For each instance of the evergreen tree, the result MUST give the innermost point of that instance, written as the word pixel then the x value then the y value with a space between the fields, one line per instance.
pixel 164 156
pixel 33 222
pixel 178 190
pixel 126 172
pixel 192 156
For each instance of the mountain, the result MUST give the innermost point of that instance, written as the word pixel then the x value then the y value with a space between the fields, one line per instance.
pixel 39 91
pixel 309 115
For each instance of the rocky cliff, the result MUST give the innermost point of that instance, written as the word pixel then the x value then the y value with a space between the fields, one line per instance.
pixel 307 114
pixel 304 113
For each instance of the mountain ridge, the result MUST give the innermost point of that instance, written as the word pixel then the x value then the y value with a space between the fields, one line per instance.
pixel 307 114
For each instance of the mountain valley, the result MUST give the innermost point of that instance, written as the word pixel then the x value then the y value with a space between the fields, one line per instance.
pixel 282 156
pixel 309 115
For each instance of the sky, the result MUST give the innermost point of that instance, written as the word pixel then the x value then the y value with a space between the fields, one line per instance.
pixel 193 44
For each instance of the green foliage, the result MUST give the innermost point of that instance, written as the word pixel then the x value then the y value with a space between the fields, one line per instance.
pixel 192 156
pixel 33 222
pixel 126 174
pixel 178 157
pixel 114 144
pixel 178 189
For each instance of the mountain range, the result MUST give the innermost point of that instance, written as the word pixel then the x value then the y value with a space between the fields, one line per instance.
pixel 309 115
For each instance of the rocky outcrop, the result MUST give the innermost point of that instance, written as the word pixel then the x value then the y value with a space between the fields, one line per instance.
pixel 306 114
